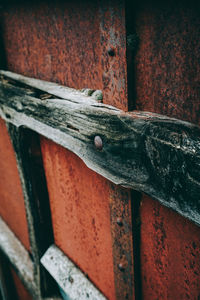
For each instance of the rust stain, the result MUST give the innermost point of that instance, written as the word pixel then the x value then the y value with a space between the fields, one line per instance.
pixel 170 254
pixel 12 208
pixel 167 61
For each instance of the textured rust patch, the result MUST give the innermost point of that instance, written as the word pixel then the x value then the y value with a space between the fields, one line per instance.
pixel 12 207
pixel 121 228
pixel 167 61
pixel 68 43
pixel 170 254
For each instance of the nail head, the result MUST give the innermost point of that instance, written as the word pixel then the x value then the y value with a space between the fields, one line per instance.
pixel 111 51
pixel 98 142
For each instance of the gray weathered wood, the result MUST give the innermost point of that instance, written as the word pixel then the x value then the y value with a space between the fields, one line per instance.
pixel 18 256
pixel 73 282
pixel 144 151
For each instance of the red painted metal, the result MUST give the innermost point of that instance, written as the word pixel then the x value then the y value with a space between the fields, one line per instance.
pixel 170 254
pixel 70 44
pixel 79 200
pixel 21 291
pixel 167 82
pixel 12 208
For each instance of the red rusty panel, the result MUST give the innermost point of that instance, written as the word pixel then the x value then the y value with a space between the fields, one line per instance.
pixel 167 77
pixel 68 43
pixel 12 208
pixel 21 291
pixel 79 200
pixel 170 254
pixel 167 63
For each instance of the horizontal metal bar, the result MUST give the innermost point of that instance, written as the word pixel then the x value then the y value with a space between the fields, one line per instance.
pixel 18 256
pixel 73 282
pixel 151 153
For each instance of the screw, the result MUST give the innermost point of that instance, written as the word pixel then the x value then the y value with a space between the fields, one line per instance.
pixel 119 221
pixel 121 266
pixel 98 142
pixel 111 51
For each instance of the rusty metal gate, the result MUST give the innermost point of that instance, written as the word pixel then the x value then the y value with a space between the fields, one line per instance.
pixel 99 150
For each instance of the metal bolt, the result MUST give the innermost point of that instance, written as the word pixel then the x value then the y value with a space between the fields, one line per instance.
pixel 119 221
pixel 121 266
pixel 98 142
pixel 111 51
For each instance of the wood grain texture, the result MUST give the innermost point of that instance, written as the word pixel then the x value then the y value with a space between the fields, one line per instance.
pixel 145 151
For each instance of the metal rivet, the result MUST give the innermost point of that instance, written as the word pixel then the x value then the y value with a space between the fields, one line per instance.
pixel 98 142
pixel 121 266
pixel 119 221
pixel 111 51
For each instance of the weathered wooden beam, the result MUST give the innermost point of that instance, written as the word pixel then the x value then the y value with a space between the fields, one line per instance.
pixel 72 281
pixel 18 256
pixel 148 152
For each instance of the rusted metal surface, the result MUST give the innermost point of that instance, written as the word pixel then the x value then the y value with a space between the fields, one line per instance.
pixel 69 44
pixel 11 190
pixel 121 229
pixel 167 61
pixel 80 214
pixel 72 281
pixel 167 81
pixel 170 254
pixel 113 53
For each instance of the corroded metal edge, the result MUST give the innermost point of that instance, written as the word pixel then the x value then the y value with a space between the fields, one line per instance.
pixel 73 282
pixel 18 256
pixel 122 241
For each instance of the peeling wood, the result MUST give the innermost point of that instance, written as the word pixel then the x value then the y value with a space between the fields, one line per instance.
pixel 148 152
pixel 73 282
pixel 18 256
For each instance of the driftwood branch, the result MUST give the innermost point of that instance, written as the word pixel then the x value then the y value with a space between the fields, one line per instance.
pixel 148 152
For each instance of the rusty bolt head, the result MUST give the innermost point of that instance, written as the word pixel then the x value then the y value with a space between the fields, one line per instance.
pixel 111 51
pixel 121 266
pixel 119 221
pixel 98 142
